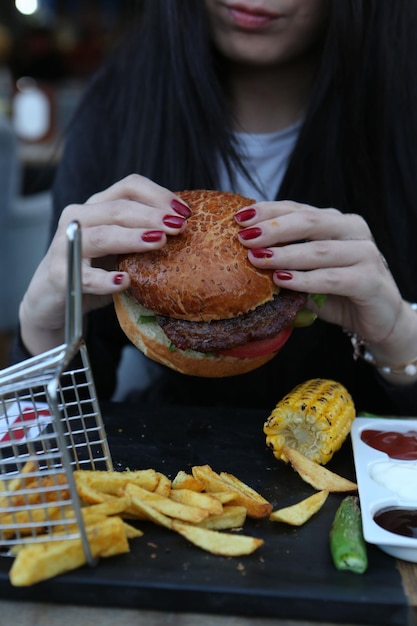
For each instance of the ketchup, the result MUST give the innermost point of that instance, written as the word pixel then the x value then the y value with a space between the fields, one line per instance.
pixel 398 520
pixel 397 445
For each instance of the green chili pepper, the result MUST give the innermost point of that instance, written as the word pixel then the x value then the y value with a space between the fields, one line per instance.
pixel 347 544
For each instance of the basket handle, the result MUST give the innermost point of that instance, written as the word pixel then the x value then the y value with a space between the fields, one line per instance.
pixel 73 311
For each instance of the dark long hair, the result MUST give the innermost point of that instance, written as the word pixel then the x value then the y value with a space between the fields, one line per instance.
pixel 356 150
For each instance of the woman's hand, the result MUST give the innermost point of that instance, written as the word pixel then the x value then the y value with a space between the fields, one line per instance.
pixel 327 252
pixel 134 215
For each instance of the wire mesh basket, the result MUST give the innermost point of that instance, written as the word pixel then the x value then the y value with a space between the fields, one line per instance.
pixel 50 425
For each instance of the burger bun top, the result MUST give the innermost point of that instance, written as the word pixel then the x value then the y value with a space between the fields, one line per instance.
pixel 203 273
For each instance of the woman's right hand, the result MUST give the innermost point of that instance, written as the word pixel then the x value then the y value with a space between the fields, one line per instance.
pixel 133 215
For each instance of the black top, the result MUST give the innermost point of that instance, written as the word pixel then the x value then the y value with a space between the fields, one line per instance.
pixel 322 350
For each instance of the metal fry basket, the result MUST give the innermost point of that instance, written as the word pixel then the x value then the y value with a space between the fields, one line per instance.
pixel 50 425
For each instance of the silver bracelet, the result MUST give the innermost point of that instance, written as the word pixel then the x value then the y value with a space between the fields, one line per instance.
pixel 360 351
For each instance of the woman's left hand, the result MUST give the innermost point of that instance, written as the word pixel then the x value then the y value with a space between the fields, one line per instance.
pixel 324 251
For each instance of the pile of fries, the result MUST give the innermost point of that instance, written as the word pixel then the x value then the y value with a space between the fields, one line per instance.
pixel 199 506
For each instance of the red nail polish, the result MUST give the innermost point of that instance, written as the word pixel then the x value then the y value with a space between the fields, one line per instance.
pixel 118 279
pixel 250 233
pixel 181 208
pixel 262 253
pixel 173 221
pixel 152 236
pixel 282 275
pixel 245 214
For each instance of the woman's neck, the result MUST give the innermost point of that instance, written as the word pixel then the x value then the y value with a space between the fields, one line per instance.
pixel 269 99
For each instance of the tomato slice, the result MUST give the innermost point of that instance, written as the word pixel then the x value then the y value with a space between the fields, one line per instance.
pixel 259 347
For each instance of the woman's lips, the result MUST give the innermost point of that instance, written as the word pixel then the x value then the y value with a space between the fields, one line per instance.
pixel 250 18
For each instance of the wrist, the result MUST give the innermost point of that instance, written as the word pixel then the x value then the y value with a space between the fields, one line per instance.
pixel 396 357
pixel 37 339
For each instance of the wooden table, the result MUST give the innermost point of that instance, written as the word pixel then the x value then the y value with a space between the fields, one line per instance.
pixel 33 614
pixel 408 573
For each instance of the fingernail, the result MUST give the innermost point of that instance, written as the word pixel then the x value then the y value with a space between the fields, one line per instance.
pixel 118 279
pixel 250 233
pixel 262 253
pixel 282 275
pixel 245 214
pixel 152 235
pixel 180 208
pixel 173 221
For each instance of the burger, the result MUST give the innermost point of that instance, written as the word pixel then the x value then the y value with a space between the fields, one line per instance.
pixel 197 305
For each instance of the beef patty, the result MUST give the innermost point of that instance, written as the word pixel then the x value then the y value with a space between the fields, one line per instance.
pixel 263 322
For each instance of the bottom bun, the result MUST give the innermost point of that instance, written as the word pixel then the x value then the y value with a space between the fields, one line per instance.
pixel 150 339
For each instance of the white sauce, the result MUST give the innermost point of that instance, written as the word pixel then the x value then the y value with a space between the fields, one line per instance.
pixel 400 478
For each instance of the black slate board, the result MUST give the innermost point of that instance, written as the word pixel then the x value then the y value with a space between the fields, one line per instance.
pixel 292 576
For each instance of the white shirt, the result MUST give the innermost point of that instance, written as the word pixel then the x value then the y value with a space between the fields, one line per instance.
pixel 265 156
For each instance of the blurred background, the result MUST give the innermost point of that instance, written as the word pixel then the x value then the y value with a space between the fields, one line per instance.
pixel 48 51
pixel 58 41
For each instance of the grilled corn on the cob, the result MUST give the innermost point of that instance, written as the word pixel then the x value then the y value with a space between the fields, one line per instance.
pixel 315 418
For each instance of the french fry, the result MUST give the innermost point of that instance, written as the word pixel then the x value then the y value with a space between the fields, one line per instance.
pixel 255 504
pixel 225 497
pixel 316 475
pixel 112 482
pixel 131 531
pixel 25 507
pixel 16 483
pixel 51 488
pixel 164 485
pixel 183 480
pixel 91 514
pixel 64 521
pixel 210 479
pixel 231 517
pixel 90 495
pixel 223 544
pixel 195 498
pixel 146 511
pixel 298 514
pixel 41 561
pixel 90 519
pixel 27 521
pixel 115 506
pixel 166 506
